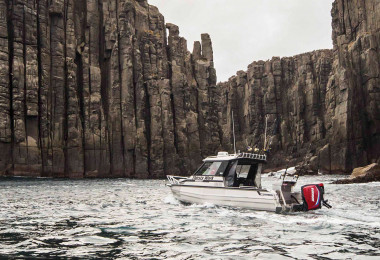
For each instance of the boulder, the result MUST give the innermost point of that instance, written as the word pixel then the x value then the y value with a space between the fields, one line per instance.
pixel 302 170
pixel 365 174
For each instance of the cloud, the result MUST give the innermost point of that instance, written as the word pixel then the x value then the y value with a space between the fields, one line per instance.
pixel 246 30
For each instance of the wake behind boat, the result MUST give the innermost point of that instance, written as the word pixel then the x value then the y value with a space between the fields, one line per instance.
pixel 235 180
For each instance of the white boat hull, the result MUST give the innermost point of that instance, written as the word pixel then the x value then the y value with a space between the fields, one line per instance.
pixel 234 197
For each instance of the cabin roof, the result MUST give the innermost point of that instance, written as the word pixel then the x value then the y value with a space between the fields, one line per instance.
pixel 224 156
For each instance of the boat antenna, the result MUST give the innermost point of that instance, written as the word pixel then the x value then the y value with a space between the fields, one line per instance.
pixel 265 135
pixel 233 131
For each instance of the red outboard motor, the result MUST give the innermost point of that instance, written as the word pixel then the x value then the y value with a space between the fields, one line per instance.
pixel 312 196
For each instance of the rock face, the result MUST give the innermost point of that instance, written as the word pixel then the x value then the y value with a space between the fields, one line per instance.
pixel 289 94
pixel 97 88
pixel 322 106
pixel 101 88
pixel 365 174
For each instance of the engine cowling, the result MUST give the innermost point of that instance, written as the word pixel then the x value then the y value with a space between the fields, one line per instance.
pixel 312 196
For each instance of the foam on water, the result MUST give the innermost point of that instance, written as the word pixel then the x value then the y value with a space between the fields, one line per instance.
pixel 169 199
pixel 206 205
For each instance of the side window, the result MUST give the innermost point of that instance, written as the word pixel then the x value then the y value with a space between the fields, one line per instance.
pixel 222 169
pixel 242 171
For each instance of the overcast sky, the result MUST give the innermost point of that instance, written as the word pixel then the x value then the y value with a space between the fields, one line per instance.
pixel 243 31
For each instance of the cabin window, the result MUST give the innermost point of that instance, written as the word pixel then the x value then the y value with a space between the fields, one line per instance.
pixel 243 174
pixel 212 168
pixel 242 171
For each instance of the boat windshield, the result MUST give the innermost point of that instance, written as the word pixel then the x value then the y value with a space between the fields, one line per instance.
pixel 212 168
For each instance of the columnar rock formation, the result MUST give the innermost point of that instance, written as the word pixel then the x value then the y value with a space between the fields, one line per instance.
pixel 104 88
pixel 356 36
pixel 323 104
pixel 290 95
pixel 96 88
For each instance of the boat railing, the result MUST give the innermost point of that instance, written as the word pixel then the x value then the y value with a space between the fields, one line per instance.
pixel 253 156
pixel 175 179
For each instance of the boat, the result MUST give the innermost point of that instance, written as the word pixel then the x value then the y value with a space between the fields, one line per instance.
pixel 234 180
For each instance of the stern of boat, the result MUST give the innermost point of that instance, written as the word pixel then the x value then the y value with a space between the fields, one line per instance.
pixel 311 197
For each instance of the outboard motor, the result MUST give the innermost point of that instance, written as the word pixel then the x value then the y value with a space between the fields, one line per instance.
pixel 312 195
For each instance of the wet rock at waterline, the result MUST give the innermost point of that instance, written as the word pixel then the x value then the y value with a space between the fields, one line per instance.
pixel 108 89
pixel 302 170
pixel 369 173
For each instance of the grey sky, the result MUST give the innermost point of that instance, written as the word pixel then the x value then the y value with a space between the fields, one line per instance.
pixel 243 31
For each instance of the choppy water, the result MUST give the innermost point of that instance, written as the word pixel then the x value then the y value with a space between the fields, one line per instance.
pixel 134 219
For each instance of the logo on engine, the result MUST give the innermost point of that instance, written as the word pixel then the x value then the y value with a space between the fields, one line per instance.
pixel 312 194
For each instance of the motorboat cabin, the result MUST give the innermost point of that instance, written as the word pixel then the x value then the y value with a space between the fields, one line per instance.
pixel 232 170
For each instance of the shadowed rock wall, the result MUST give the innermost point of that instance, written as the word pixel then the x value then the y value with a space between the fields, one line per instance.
pixel 97 88
pixel 322 105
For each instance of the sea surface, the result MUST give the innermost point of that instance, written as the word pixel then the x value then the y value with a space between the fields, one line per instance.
pixel 140 219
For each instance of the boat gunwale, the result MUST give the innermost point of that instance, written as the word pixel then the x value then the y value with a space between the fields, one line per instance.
pixel 248 188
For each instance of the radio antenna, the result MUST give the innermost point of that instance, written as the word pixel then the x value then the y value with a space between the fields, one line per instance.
pixel 233 131
pixel 265 134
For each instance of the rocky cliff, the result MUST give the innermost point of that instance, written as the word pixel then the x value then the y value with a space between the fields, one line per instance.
pixel 288 94
pixel 96 88
pixel 104 88
pixel 323 106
